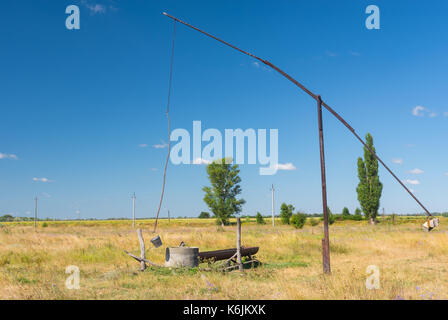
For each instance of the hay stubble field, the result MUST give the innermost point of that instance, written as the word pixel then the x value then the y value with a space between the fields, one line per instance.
pixel 412 263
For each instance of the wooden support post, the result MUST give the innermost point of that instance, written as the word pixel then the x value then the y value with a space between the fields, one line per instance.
pixel 326 239
pixel 238 244
pixel 142 249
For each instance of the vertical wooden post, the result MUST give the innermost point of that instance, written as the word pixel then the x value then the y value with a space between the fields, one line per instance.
pixel 325 240
pixel 35 213
pixel 133 210
pixel 238 244
pixel 142 249
pixel 273 210
pixel 169 217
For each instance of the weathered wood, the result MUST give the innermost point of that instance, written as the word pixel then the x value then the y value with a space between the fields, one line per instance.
pixel 226 253
pixel 238 244
pixel 143 260
pixel 142 249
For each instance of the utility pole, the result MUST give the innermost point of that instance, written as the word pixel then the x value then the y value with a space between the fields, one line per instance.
pixel 133 210
pixel 169 218
pixel 35 212
pixel 273 210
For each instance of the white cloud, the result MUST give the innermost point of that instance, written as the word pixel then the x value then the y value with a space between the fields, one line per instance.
pixel 418 111
pixel 161 146
pixel 413 182
pixel 330 54
pixel 433 115
pixel 256 64
pixel 397 161
pixel 445 114
pixel 446 173
pixel 286 166
pixel 417 171
pixel 42 180
pixel 143 145
pixel 354 53
pixel 200 161
pixel 8 156
pixel 94 7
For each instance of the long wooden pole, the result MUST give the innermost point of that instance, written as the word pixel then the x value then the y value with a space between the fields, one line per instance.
pixel 35 212
pixel 133 210
pixel 314 96
pixel 273 210
pixel 142 249
pixel 238 244
pixel 326 239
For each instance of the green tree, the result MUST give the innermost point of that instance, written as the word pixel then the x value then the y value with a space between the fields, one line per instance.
pixel 298 220
pixel 221 196
pixel 204 215
pixel 369 188
pixel 357 215
pixel 260 219
pixel 286 211
pixel 331 217
pixel 346 213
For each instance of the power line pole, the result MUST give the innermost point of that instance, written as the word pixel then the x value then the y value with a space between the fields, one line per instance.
pixel 133 210
pixel 35 212
pixel 273 210
pixel 169 218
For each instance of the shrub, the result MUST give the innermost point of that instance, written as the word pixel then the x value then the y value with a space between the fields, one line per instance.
pixel 346 214
pixel 44 225
pixel 286 212
pixel 260 219
pixel 331 217
pixel 204 215
pixel 298 220
pixel 314 222
pixel 357 215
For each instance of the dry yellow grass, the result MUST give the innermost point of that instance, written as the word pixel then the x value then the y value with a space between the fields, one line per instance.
pixel 413 264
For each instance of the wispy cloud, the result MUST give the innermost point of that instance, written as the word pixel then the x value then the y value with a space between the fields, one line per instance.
pixel 330 54
pixel 42 180
pixel 94 8
pixel 354 53
pixel 260 66
pixel 413 182
pixel 161 146
pixel 418 111
pixel 446 173
pixel 417 171
pixel 287 166
pixel 397 161
pixel 201 161
pixel 143 145
pixel 8 156
pixel 445 114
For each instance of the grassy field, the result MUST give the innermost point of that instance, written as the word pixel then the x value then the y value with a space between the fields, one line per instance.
pixel 412 263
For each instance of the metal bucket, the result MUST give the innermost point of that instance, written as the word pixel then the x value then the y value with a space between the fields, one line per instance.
pixel 179 257
pixel 156 241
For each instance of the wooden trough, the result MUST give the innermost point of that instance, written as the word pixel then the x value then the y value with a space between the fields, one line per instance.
pixel 226 254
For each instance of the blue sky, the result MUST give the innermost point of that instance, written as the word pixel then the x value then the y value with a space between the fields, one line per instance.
pixel 77 105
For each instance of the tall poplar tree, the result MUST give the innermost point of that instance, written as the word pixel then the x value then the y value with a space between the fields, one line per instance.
pixel 369 188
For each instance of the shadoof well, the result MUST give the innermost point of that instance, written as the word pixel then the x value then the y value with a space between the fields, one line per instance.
pixel 190 257
pixel 430 224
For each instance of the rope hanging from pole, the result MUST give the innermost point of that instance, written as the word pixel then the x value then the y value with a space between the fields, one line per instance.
pixel 169 126
pixel 314 96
